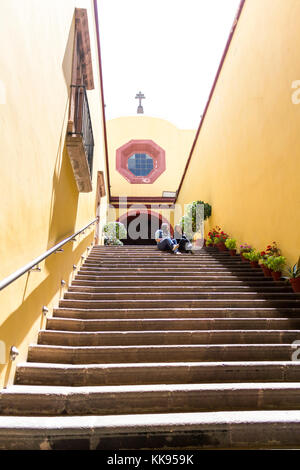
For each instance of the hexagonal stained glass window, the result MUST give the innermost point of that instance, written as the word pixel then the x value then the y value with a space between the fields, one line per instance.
pixel 140 164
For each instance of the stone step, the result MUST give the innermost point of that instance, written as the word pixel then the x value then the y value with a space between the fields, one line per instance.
pixel 162 259
pixel 219 270
pixel 170 277
pixel 124 399
pixel 151 313
pixel 172 287
pixel 162 324
pixel 182 295
pixel 159 353
pixel 100 283
pixel 164 263
pixel 167 337
pixel 276 429
pixel 157 373
pixel 152 249
pixel 152 350
pixel 156 254
pixel 175 261
pixel 173 303
pixel 167 255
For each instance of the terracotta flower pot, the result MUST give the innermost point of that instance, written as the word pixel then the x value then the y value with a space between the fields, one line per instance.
pixel 276 275
pixel 221 246
pixel 232 252
pixel 244 260
pixel 267 272
pixel 254 264
pixel 295 283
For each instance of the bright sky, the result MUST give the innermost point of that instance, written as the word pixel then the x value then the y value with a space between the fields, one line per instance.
pixel 168 49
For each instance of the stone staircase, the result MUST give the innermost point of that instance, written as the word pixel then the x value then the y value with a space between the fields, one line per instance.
pixel 149 350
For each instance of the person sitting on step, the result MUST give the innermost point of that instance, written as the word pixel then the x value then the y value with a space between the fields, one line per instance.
pixel 164 240
pixel 185 245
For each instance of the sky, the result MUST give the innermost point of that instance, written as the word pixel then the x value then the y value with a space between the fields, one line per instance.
pixel 169 50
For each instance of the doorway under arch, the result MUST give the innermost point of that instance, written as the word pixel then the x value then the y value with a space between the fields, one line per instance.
pixel 141 225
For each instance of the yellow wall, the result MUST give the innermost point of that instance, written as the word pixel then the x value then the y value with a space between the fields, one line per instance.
pixel 40 203
pixel 176 143
pixel 246 163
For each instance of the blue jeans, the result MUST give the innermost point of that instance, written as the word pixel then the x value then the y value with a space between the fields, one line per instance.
pixel 166 244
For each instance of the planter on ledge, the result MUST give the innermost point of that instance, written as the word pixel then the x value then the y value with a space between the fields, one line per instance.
pixel 232 252
pixel 295 283
pixel 267 272
pixel 254 264
pixel 276 275
pixel 221 246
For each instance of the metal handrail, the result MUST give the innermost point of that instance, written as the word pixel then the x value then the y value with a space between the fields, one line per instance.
pixel 13 277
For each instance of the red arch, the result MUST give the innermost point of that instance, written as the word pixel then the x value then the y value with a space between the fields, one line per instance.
pixel 136 212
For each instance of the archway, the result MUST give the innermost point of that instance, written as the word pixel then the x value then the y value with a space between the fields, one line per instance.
pixel 141 225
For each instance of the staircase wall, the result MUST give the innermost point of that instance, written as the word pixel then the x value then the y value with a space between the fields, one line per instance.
pixel 245 161
pixel 40 202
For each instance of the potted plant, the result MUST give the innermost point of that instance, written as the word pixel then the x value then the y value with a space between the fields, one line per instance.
pixel 222 237
pixel 212 236
pixel 293 275
pixel 230 244
pixel 271 250
pixel 263 264
pixel 209 242
pixel 244 249
pixel 191 222
pixel 113 231
pixel 253 256
pixel 276 264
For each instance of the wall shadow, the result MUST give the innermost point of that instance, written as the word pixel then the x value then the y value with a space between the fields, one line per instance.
pixel 68 55
pixel 65 195
pixel 64 202
pixel 247 277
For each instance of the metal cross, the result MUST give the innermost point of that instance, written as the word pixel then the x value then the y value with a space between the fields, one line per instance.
pixel 140 96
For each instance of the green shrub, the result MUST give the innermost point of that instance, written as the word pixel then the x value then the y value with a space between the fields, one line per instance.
pixel 276 263
pixel 253 256
pixel 190 223
pixel 230 243
pixel 245 248
pixel 113 231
